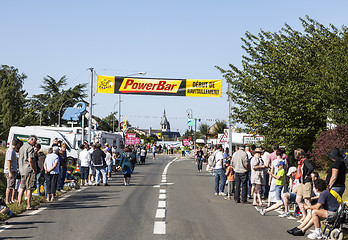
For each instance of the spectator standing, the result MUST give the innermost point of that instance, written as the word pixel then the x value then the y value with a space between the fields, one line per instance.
pixel 153 149
pixel 98 160
pixel 27 169
pixel 85 161
pixel 10 170
pixel 219 172
pixel 52 172
pixel 40 160
pixel 199 159
pixel 304 190
pixel 143 155
pixel 91 167
pixel 336 174
pixel 257 177
pixel 240 166
pixel 230 180
pixel 108 160
pixel 62 167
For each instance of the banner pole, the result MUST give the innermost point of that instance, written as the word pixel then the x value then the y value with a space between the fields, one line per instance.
pixel 90 106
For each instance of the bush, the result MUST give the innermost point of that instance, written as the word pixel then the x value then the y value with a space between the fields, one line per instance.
pixel 326 141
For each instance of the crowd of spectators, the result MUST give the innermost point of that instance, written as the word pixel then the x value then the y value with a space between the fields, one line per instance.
pixel 274 184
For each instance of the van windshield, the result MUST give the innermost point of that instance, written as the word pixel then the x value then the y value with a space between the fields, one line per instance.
pixel 66 140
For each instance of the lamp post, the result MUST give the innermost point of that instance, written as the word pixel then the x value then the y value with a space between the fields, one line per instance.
pixel 120 100
pixel 60 109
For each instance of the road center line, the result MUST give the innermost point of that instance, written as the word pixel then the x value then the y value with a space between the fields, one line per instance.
pixel 37 211
pixel 159 227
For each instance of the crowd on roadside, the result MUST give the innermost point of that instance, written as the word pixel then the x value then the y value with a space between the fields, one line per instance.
pixel 254 173
pixel 30 171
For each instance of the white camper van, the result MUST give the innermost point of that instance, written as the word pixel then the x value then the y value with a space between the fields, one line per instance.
pixel 45 138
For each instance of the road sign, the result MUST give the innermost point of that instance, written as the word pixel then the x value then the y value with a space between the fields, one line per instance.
pixel 190 122
pixel 253 139
pixel 222 138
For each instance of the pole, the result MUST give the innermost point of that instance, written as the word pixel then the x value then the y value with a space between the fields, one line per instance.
pixel 119 112
pixel 195 135
pixel 90 107
pixel 83 128
pixel 229 120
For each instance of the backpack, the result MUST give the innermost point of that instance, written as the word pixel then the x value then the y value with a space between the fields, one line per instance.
pixel 130 157
pixel 211 160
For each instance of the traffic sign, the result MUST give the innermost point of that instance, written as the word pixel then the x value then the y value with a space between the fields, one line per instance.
pixel 253 139
pixel 222 138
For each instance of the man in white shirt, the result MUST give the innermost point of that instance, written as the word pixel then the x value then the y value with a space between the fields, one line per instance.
pixel 85 161
pixel 219 172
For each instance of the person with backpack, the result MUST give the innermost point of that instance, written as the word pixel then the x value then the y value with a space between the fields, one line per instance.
pixel 126 165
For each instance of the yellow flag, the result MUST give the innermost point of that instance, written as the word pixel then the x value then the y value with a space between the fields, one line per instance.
pixel 125 123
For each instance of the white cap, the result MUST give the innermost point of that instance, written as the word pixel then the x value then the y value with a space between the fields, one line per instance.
pixel 291 170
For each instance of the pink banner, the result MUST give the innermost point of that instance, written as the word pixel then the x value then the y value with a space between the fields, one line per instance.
pixel 186 142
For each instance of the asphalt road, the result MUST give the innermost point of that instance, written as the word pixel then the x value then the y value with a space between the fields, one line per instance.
pixel 166 200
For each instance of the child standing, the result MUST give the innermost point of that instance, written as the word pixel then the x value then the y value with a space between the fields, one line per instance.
pixel 230 179
pixel 279 179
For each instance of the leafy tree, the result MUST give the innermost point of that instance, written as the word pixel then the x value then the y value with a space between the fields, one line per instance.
pixel 204 131
pixel 219 127
pixel 12 98
pixel 327 140
pixel 55 99
pixel 110 121
pixel 291 82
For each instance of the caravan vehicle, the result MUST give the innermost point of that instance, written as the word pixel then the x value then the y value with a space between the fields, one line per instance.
pixel 44 137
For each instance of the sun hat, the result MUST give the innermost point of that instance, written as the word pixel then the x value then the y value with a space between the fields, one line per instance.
pixel 258 150
pixel 291 170
pixel 335 154
pixel 281 163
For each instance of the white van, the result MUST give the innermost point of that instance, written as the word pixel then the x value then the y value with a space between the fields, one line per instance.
pixel 45 138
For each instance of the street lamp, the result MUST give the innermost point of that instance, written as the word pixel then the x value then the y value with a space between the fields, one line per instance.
pixel 60 109
pixel 120 100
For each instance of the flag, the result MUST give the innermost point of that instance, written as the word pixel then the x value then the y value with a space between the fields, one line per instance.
pixel 125 123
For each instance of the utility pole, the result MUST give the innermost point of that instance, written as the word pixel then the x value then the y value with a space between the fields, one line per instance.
pixel 90 106
pixel 229 119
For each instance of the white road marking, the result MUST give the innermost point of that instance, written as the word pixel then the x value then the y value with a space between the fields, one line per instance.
pixel 160 213
pixel 159 228
pixel 161 204
pixel 164 181
pixel 8 226
pixel 162 196
pixel 162 191
pixel 162 184
pixel 37 211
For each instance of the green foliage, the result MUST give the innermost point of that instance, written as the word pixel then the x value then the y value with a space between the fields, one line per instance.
pixel 55 99
pixel 291 82
pixel 203 131
pixel 12 98
pixel 149 139
pixel 219 127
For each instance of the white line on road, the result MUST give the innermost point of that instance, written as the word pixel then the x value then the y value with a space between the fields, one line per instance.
pixel 37 211
pixel 5 227
pixel 160 213
pixel 162 191
pixel 159 228
pixel 161 204
pixel 162 196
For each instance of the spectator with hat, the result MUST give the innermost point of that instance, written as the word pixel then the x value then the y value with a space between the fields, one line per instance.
pixel 336 174
pixel 257 177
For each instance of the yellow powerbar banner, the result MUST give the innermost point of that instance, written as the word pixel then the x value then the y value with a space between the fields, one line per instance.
pixel 159 86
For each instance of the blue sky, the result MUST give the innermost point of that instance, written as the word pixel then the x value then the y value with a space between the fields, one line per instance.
pixel 167 39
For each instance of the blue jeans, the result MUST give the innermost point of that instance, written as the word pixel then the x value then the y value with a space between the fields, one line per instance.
pixel 219 175
pixel 61 177
pixel 38 183
pixel 103 171
pixel 199 163
pixel 339 190
pixel 138 158
pixel 278 191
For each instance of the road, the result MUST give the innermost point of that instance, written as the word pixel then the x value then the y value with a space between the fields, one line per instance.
pixel 167 199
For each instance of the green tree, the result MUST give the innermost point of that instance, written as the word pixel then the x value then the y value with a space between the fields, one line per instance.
pixel 219 127
pixel 291 82
pixel 12 98
pixel 55 99
pixel 204 131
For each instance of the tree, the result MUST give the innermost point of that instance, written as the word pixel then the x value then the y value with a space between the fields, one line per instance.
pixel 219 127
pixel 327 140
pixel 55 99
pixel 289 82
pixel 110 122
pixel 12 98
pixel 204 131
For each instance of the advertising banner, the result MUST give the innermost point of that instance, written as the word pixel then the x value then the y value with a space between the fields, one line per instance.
pixel 186 142
pixel 159 86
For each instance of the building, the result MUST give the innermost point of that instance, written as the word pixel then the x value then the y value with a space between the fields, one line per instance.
pixel 164 130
